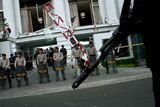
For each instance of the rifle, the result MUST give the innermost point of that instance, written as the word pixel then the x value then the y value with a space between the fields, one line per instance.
pixel 131 22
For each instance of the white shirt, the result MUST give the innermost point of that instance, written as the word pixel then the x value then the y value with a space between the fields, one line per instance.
pixel 5 63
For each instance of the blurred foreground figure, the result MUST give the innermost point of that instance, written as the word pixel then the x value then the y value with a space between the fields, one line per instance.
pixel 134 19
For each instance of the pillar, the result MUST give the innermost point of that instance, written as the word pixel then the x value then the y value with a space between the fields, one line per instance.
pixel 60 9
pixel 102 9
pixel 111 10
pixel 6 47
pixel 9 15
pixel 17 16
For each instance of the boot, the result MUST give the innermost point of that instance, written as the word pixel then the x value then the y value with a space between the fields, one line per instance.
pixel 12 76
pixel 27 84
pixel 57 79
pixel 64 78
pixel 19 84
pixel 4 87
pixel 48 80
pixel 40 81
pixel 10 85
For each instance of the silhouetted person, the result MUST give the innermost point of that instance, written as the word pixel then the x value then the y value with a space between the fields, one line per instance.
pixel 64 51
pixel 12 59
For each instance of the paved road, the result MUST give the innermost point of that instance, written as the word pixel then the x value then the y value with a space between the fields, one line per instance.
pixel 135 93
pixel 123 75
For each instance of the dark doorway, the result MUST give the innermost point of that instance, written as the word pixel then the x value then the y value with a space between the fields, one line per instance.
pixel 84 12
pixel 37 25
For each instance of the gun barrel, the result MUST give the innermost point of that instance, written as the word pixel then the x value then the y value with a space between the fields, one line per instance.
pixel 116 39
pixel 80 79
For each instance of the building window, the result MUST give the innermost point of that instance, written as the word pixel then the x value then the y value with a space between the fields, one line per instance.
pixel 33 16
pixel 84 12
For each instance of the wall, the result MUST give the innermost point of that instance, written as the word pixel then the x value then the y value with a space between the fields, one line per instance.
pixel 98 40
pixel 5 47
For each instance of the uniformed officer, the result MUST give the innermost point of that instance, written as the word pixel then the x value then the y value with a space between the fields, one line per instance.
pixel 92 55
pixel 42 65
pixel 12 59
pixel 77 55
pixel 111 63
pixel 58 63
pixel 64 51
pixel 20 66
pixel 5 66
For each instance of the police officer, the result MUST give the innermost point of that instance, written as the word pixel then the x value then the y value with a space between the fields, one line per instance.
pixel 20 64
pixel 92 55
pixel 5 66
pixel 77 55
pixel 111 63
pixel 42 65
pixel 52 51
pixel 58 63
pixel 12 59
pixel 64 51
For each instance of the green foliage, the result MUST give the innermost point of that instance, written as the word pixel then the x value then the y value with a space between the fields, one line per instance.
pixel 131 62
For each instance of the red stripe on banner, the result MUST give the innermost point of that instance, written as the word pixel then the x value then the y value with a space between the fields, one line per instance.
pixel 48 4
pixel 66 31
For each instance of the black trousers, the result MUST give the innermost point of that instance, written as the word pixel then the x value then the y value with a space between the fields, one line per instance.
pixel 41 76
pixel 8 74
pixel 65 60
pixel 12 70
pixel 24 77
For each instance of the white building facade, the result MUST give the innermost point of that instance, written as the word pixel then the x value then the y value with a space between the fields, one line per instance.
pixel 32 27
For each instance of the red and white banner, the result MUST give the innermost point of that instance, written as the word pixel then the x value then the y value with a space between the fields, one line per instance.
pixel 65 30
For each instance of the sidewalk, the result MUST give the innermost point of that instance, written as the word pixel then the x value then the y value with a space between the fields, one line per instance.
pixel 123 75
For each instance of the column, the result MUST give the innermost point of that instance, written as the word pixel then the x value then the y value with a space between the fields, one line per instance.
pixel 60 9
pixel 67 12
pixel 9 15
pixel 120 4
pixel 5 47
pixel 17 16
pixel 102 9
pixel 111 10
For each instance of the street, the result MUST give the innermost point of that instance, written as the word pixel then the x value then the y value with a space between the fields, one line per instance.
pixel 137 93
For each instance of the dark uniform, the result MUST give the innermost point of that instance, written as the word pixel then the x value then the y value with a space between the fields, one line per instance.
pixel 51 61
pixel 30 60
pixel 64 51
pixel 12 59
